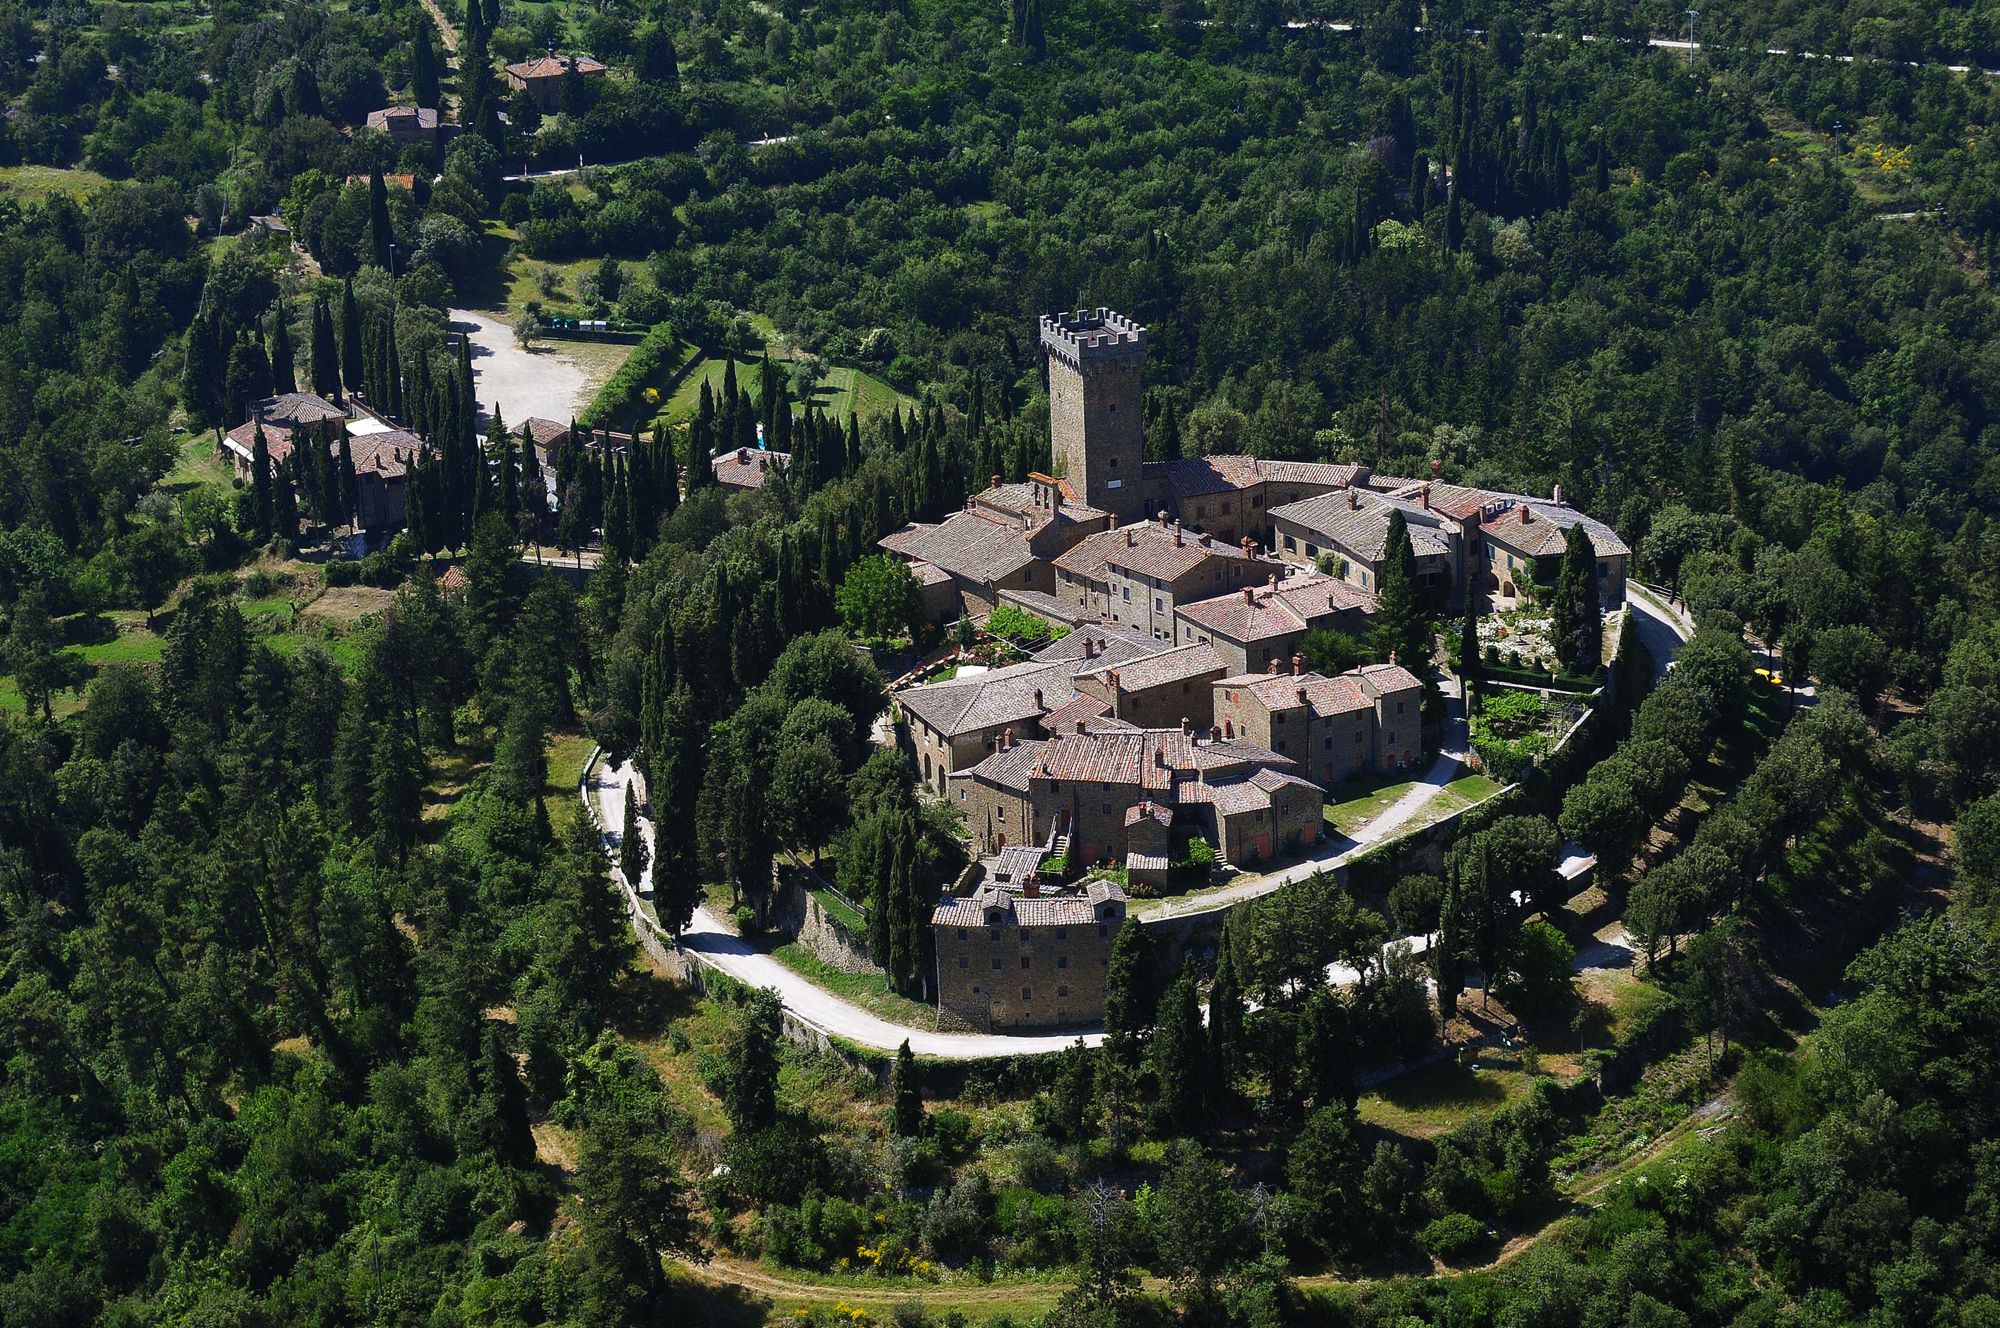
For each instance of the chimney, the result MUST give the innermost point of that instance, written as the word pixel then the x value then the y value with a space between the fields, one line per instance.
pixel 1038 699
pixel 1007 734
pixel 1163 518
pixel 993 482
pixel 1273 669
pixel 1187 729
pixel 1160 757
pixel 1177 534
pixel 1089 648
pixel 1131 537
pixel 1031 888
pixel 742 456
pixel 1079 726
pixel 1525 518
pixel 1298 665
pixel 1557 496
pixel 1302 696
pixel 1249 594
pixel 1392 659
pixel 1353 501
pixel 1205 541
pixel 1427 497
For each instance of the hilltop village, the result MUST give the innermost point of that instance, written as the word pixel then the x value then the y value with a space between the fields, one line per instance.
pixel 1171 723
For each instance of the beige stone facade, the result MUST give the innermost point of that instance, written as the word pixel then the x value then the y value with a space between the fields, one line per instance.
pixel 1020 962
pixel 1096 406
pixel 1366 721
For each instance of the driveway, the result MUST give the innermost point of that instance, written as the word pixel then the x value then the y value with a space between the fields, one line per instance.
pixel 722 949
pixel 524 382
pixel 1662 629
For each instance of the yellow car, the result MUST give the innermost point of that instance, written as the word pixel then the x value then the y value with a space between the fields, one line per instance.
pixel 1775 679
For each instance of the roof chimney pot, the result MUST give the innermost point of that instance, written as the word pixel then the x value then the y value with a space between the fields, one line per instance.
pixel 1557 496
pixel 1079 726
pixel 1353 500
pixel 1298 665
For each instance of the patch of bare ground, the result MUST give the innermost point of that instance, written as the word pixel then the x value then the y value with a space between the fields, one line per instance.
pixel 554 1146
pixel 344 606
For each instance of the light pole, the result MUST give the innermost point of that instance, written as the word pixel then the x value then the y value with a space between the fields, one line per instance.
pixel 1692 15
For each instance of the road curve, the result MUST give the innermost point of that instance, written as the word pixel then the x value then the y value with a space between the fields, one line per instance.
pixel 715 945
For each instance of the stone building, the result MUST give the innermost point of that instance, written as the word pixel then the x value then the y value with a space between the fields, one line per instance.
pixel 1350 528
pixel 1097 427
pixel 542 77
pixel 407 124
pixel 1156 691
pixel 1007 538
pixel 1365 721
pixel 745 469
pixel 1010 961
pixel 1073 794
pixel 1261 624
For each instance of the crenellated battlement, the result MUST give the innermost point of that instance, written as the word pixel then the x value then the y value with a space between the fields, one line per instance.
pixel 1089 335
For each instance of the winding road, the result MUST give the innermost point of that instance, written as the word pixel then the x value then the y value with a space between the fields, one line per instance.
pixel 603 791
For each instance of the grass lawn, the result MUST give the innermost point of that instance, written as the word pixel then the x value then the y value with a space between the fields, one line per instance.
pixel 34 184
pixel 844 389
pixel 1361 808
pixel 863 989
pixel 567 754
pixel 197 466
pixel 1428 1102
pixel 1465 791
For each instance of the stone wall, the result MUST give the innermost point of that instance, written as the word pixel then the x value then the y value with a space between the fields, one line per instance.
pixel 799 913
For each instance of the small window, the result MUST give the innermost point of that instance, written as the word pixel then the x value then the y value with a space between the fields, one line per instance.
pixel 1027 993
pixel 1158 606
pixel 1312 549
pixel 1128 593
pixel 1399 707
pixel 1062 961
pixel 1062 991
pixel 964 961
pixel 1107 809
pixel 1392 737
pixel 996 963
pixel 1291 545
pixel 1024 961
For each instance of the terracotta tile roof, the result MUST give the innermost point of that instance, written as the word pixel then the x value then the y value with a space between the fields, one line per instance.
pixel 544 433
pixel 425 117
pixel 1154 759
pixel 1007 767
pixel 295 408
pixel 991 700
pixel 386 454
pixel 554 66
pixel 1547 530
pixel 1169 666
pixel 454 578
pixel 1260 613
pixel 1109 643
pixel 1332 474
pixel 1166 552
pixel 1197 477
pixel 1045 911
pixel 978 548
pixel 1339 695
pixel 1021 499
pixel 1149 810
pixel 1358 521
pixel 1270 781
pixel 929 574
pixel 747 467
pixel 1082 708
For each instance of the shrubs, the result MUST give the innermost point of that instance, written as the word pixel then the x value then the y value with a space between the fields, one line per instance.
pixel 1452 1234
pixel 652 361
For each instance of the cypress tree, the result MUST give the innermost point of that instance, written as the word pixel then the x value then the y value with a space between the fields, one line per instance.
pixel 1578 624
pixel 1401 629
pixel 632 856
pixel 284 364
pixel 260 482
pixel 424 67
pixel 669 477
pixel 1132 994
pixel 350 338
pixel 1468 648
pixel 286 499
pixel 202 372
pixel 1179 1055
pixel 380 233
pixel 907 1119
pixel 1225 1021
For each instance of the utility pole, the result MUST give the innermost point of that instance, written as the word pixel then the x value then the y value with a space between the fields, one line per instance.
pixel 1692 15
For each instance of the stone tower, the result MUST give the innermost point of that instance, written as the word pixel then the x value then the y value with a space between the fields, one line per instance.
pixel 1096 421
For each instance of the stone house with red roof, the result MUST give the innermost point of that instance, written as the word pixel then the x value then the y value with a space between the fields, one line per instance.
pixel 542 77
pixel 1026 959
pixel 1258 625
pixel 1365 721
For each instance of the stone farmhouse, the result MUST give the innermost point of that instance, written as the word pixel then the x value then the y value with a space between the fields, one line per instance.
pixel 1081 794
pixel 1350 527
pixel 1138 574
pixel 745 469
pixel 382 453
pixel 1365 721
pixel 542 77
pixel 407 124
pixel 1262 625
pixel 1009 959
pixel 1007 538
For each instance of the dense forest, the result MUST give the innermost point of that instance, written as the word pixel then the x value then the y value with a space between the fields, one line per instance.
pixel 318 1004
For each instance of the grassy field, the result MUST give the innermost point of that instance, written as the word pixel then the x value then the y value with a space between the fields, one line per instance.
pixel 567 755
pixel 1425 1103
pixel 34 184
pixel 1465 791
pixel 843 390
pixel 198 466
pixel 1356 811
